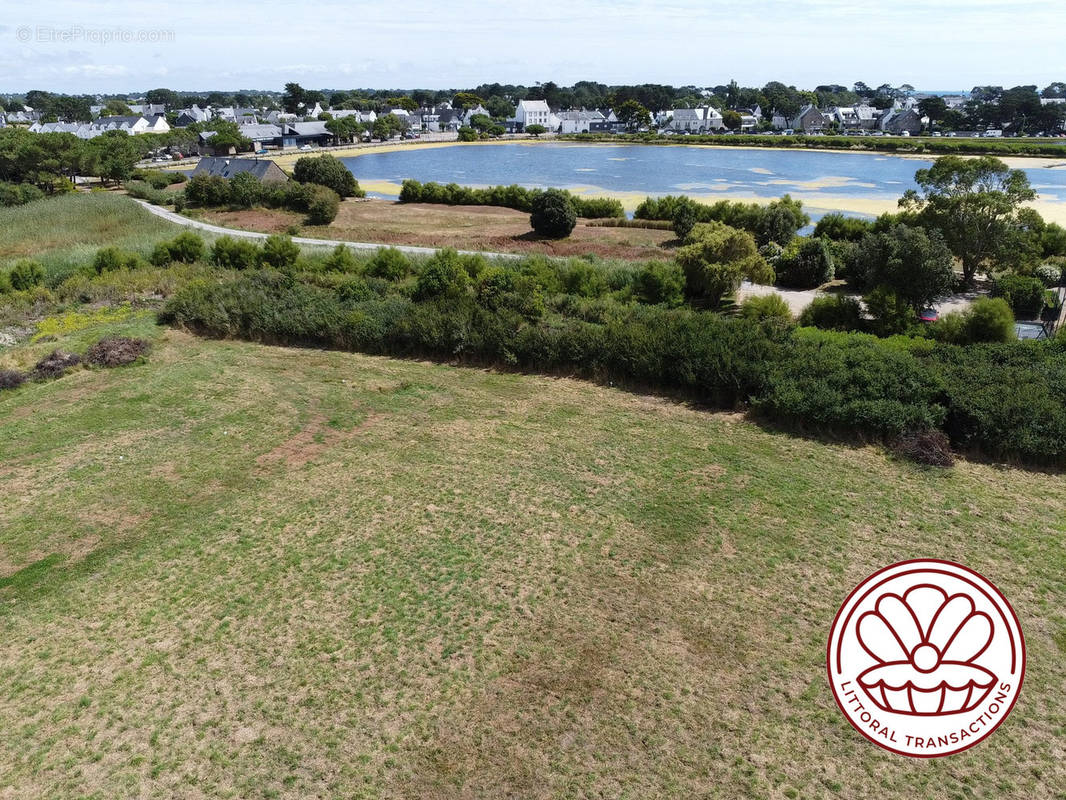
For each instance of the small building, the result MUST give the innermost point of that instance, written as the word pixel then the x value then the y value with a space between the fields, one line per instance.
pixel 262 168
pixel 902 121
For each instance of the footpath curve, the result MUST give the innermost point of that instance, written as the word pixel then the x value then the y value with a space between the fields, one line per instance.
pixel 413 250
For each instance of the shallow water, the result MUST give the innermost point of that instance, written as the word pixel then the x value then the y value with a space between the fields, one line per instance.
pixel 861 183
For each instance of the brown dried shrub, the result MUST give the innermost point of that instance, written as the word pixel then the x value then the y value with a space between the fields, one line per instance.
pixel 930 447
pixel 55 364
pixel 11 379
pixel 116 351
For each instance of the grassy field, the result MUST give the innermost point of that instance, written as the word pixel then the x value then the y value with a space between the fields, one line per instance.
pixel 62 231
pixel 246 571
pixel 487 228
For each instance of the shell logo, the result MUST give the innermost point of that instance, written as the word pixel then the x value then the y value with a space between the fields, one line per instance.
pixel 926 658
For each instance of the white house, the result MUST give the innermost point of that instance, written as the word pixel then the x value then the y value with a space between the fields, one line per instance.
pixel 578 121
pixel 532 112
pixel 695 120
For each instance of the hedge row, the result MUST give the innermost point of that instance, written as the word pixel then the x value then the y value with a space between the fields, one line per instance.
pixel 777 221
pixel 1005 400
pixel 516 197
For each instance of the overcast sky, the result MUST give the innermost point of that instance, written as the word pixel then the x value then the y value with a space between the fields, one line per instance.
pixel 63 45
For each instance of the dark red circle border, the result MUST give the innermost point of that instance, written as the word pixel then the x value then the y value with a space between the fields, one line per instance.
pixel 942 562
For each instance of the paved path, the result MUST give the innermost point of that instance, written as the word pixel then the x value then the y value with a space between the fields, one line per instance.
pixel 178 219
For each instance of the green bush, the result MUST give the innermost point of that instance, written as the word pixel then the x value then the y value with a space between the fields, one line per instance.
pixel 18 194
pixel 185 248
pixel 467 134
pixel 389 263
pixel 109 259
pixel 328 171
pixel 26 274
pixel 245 190
pixel 207 190
pixel 279 252
pixel 989 320
pixel 230 253
pixel 1024 295
pixel 805 264
pixel 841 228
pixel 553 215
pixel 716 258
pixel 891 313
pixel 443 274
pixel 833 313
pixel 659 282
pixel 341 260
pixel 766 307
pixel 322 206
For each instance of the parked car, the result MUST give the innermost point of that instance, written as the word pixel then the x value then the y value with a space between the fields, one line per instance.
pixel 306 147
pixel 929 315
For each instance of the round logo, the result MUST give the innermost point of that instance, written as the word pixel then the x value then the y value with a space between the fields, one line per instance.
pixel 926 658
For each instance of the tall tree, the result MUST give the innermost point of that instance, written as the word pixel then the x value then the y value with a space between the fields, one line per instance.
pixel 974 204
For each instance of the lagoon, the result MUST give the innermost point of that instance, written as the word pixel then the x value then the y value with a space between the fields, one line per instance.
pixel 859 183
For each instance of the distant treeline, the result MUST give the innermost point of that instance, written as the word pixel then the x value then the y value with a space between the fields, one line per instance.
pixel 516 197
pixel 944 146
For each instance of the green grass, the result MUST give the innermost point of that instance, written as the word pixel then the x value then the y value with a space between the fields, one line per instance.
pixel 64 232
pixel 246 571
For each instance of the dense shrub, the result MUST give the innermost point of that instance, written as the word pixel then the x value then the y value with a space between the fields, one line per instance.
pixel 185 248
pixel 388 263
pixel 716 258
pixel 341 260
pixel 144 191
pixel 553 214
pixel 109 259
pixel 25 275
pixel 207 190
pixel 279 252
pixel 444 274
pixel 842 228
pixel 505 289
pixel 766 307
pixel 805 264
pixel 328 171
pixel 989 320
pixel 516 197
pixel 659 282
pixel 230 253
pixel 890 313
pixel 851 382
pixel 467 134
pixel 18 194
pixel 833 313
pixel 245 190
pixel 1024 295
pixel 322 206
pixel 777 221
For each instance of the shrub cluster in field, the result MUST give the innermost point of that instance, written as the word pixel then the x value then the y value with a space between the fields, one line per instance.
pixel 627 326
pixel 516 197
pixel 775 222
